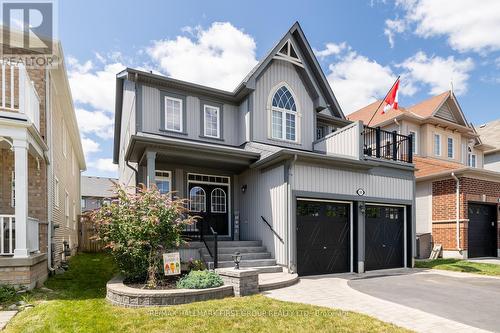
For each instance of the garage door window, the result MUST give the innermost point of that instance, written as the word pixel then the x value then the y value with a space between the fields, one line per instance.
pixel 372 212
pixel 335 211
pixel 392 213
pixel 308 209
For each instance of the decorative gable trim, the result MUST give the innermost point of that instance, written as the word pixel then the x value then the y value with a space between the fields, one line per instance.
pixel 450 110
pixel 288 53
pixel 445 112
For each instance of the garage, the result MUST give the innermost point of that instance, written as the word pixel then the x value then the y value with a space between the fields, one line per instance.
pixel 482 231
pixel 323 237
pixel 384 237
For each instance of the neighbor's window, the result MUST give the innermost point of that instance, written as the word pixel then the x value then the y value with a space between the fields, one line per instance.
pixel 472 158
pixel 283 115
pixel 197 199
pixel 56 192
pixel 437 144
pixel 450 148
pixel 212 121
pixel 173 114
pixel 66 207
pixel 162 179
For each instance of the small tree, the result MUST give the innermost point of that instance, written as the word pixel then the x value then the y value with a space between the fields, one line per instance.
pixel 138 228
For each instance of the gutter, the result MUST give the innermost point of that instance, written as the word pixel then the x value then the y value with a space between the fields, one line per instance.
pixel 457 210
pixel 289 211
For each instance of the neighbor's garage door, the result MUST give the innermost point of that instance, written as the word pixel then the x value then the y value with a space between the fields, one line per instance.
pixel 323 237
pixel 384 230
pixel 482 231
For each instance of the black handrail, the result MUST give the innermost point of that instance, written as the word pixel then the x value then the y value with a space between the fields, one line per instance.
pixel 274 231
pixel 388 145
pixel 212 251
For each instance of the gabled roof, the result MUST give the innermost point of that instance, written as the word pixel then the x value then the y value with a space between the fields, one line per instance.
pixel 308 68
pixel 429 107
pixel 426 166
pixel 98 187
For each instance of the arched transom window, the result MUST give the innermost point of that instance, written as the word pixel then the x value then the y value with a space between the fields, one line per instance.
pixel 283 115
pixel 197 200
pixel 218 200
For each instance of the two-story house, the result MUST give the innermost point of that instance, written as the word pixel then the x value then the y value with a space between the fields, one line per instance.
pixel 490 134
pixel 40 161
pixel 456 197
pixel 96 191
pixel 273 167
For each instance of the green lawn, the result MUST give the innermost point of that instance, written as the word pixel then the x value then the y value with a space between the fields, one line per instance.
pixel 458 265
pixel 76 303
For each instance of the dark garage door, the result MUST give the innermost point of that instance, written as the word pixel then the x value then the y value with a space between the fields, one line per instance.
pixel 384 230
pixel 322 237
pixel 482 231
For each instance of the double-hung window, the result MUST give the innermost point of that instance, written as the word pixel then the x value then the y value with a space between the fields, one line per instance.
pixel 173 114
pixel 283 115
pixel 472 158
pixel 437 144
pixel 163 181
pixel 414 142
pixel 451 148
pixel 211 116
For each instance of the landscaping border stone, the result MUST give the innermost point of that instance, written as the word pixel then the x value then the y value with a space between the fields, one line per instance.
pixel 117 293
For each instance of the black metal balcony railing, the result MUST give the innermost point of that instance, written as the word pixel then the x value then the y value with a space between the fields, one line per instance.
pixel 388 145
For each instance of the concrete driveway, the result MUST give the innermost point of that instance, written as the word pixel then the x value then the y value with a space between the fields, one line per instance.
pixel 420 300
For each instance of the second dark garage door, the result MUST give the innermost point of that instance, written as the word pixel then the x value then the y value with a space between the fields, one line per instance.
pixel 482 231
pixel 384 234
pixel 323 237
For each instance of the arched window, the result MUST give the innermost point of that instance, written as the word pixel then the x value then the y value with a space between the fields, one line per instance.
pixel 197 199
pixel 218 200
pixel 283 115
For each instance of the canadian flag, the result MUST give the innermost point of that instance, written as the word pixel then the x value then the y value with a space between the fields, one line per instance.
pixel 392 98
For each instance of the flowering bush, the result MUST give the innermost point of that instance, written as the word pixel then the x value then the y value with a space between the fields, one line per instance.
pixel 138 228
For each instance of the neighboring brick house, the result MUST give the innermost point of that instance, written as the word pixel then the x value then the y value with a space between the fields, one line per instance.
pixel 95 191
pixel 450 164
pixel 40 161
pixel 490 134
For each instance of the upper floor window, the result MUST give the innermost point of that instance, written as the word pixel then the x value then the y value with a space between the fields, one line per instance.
pixel 437 144
pixel 472 158
pixel 414 142
pixel 283 115
pixel 211 121
pixel 173 114
pixel 450 148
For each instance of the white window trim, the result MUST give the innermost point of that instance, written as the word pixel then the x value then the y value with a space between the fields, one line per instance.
pixel 56 192
pixel 272 108
pixel 205 200
pixel 415 141
pixel 439 150
pixel 205 121
pixel 168 178
pixel 452 147
pixel 66 207
pixel 475 160
pixel 212 202
pixel 181 118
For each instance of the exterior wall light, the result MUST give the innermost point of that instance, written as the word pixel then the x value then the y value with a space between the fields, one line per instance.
pixel 243 188
pixel 236 258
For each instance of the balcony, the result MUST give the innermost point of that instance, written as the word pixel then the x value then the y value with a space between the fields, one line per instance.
pixel 19 93
pixel 8 231
pixel 357 141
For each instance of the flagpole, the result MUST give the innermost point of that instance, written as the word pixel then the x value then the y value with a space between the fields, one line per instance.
pixel 383 100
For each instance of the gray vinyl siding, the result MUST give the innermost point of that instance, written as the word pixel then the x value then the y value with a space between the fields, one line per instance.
pixel 243 125
pixel 331 180
pixel 277 72
pixel 128 128
pixel 492 162
pixel 193 117
pixel 424 207
pixel 266 195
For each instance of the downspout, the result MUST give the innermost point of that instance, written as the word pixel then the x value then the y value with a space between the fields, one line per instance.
pixel 289 211
pixel 457 210
pixel 50 171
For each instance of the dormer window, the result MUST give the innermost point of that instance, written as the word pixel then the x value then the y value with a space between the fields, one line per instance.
pixel 283 115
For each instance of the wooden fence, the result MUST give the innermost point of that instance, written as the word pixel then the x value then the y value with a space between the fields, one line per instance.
pixel 87 232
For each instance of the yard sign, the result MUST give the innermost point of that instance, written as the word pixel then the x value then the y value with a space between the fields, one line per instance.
pixel 172 263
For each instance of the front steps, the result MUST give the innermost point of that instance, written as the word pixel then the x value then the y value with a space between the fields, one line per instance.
pixel 253 255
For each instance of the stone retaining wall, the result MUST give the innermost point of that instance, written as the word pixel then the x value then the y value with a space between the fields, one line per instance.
pixel 119 294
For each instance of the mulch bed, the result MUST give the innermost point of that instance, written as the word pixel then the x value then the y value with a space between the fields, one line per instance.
pixel 165 282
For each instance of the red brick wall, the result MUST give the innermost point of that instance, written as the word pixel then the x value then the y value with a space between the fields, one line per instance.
pixel 444 207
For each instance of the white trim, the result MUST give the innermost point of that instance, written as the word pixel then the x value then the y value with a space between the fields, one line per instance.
pixel 415 141
pixel 452 147
pixel 57 193
pixel 297 114
pixel 181 116
pixel 440 150
pixel 211 201
pixel 204 196
pixel 351 225
pixel 228 184
pixel 168 178
pixel 217 109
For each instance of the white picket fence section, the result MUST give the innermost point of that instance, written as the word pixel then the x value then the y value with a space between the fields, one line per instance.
pixel 22 98
pixel 7 229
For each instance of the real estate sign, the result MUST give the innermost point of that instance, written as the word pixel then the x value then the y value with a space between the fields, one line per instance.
pixel 172 263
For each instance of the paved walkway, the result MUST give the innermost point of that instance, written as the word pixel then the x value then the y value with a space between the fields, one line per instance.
pixel 5 316
pixel 333 291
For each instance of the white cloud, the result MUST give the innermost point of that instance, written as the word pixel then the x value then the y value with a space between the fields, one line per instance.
pixel 437 72
pixel 392 27
pixel 89 146
pixel 330 49
pixel 467 25
pixel 97 122
pixel 219 56
pixel 103 165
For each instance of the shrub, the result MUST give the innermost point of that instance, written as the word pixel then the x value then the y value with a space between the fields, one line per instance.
pixel 7 293
pixel 138 228
pixel 200 280
pixel 196 265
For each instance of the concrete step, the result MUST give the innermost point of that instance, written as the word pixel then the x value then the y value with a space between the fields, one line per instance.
pixel 231 250
pixel 270 281
pixel 224 244
pixel 244 256
pixel 245 263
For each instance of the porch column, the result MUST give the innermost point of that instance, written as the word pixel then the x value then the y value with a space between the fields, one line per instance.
pixel 21 196
pixel 151 167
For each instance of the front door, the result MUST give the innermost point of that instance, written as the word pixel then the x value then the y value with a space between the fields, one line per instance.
pixel 210 201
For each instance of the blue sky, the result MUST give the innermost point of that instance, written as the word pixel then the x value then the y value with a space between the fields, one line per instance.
pixel 361 45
